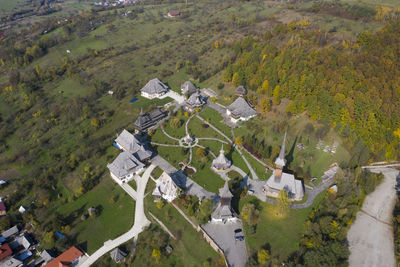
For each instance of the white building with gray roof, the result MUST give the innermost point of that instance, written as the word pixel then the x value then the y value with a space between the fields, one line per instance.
pixel 188 88
pixel 196 100
pixel 154 89
pixel 165 188
pixel 240 110
pixel 133 144
pixel 125 167
pixel 281 180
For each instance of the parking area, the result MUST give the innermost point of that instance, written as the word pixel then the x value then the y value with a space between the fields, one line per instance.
pixel 224 235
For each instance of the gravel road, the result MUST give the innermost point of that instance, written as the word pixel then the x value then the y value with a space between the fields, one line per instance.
pixel 371 235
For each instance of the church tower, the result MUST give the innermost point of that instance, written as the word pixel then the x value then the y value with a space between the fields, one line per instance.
pixel 280 162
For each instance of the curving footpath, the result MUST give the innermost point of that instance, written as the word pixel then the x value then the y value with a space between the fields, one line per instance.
pixel 371 235
pixel 140 222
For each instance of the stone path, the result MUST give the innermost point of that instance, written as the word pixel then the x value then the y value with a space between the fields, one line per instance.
pixel 139 224
pixel 371 235
pixel 170 137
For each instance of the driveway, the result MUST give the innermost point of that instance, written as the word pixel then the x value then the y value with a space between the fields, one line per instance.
pixel 224 235
pixel 371 235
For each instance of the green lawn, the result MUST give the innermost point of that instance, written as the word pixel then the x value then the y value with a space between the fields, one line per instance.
pixel 281 234
pixel 191 249
pixel 93 232
pixel 215 119
pixel 196 129
pixel 205 177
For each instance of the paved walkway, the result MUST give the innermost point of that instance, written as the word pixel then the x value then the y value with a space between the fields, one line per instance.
pixel 140 222
pixel 170 137
pixel 371 235
pixel 174 95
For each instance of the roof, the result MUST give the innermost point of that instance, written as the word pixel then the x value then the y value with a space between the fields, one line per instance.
pixel 188 88
pixel 209 92
pixel 128 141
pixel 224 192
pixel 12 231
pixel 66 258
pixel 24 240
pixel 154 86
pixel 288 183
pixel 146 120
pixel 241 90
pixel 125 163
pixel 221 162
pixel 5 251
pixel 12 262
pixel 280 160
pixel 196 100
pixel 117 255
pixel 165 187
pixel 241 108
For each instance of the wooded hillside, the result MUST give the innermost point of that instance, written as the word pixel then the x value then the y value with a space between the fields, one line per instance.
pixel 355 86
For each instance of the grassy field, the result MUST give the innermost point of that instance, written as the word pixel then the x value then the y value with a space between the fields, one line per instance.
pixel 87 232
pixel 184 252
pixel 281 234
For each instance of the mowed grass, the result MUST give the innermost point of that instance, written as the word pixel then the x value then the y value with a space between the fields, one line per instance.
pixel 114 219
pixel 191 249
pixel 281 233
pixel 215 119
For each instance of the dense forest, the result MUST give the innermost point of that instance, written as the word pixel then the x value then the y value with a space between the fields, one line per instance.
pixel 353 86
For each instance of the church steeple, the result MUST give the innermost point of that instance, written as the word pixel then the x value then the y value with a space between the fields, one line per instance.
pixel 280 162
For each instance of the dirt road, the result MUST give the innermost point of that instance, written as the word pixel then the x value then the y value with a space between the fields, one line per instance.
pixel 371 235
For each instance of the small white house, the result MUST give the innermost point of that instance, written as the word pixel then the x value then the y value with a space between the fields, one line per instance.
pixel 240 110
pixel 154 89
pixel 165 188
pixel 125 167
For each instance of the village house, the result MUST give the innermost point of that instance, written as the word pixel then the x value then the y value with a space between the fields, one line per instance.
pixel 240 110
pixel 187 88
pixel 154 89
pixel 118 256
pixel 241 91
pixel 221 163
pixel 125 167
pixel 146 121
pixel 195 101
pixel 209 93
pixel 134 144
pixel 10 232
pixel 165 188
pixel 70 257
pixel 280 180
pixel 223 212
